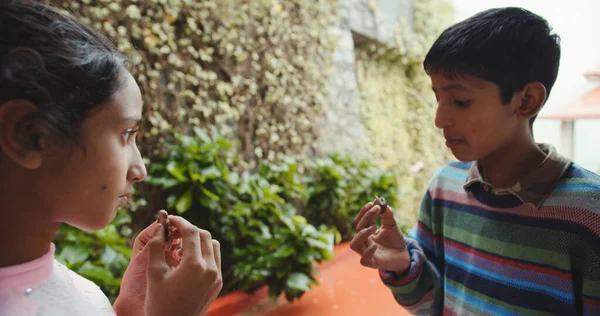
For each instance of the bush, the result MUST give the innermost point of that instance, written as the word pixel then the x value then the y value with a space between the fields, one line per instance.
pixel 259 216
pixel 263 240
pixel 339 187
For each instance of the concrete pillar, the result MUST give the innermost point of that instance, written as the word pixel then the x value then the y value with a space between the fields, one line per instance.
pixel 567 139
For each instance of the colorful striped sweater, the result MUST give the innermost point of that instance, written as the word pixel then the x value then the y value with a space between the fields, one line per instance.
pixel 533 249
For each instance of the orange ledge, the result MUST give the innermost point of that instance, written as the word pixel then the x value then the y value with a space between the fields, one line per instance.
pixel 346 288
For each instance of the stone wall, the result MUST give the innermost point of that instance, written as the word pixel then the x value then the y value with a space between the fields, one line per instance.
pixel 341 128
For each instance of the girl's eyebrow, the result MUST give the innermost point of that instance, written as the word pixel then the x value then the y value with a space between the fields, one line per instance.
pixel 134 119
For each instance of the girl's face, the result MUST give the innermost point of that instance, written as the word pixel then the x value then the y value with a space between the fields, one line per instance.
pixel 85 186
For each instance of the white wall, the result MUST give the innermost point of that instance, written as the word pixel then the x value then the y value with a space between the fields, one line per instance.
pixel 578 24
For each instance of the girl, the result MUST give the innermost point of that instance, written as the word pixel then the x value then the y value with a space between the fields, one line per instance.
pixel 69 112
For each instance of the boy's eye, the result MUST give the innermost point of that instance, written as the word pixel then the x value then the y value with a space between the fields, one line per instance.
pixel 461 103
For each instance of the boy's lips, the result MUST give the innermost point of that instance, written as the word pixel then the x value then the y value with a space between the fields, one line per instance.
pixel 453 142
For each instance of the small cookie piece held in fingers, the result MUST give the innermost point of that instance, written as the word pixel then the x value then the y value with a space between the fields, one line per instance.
pixel 381 202
pixel 163 219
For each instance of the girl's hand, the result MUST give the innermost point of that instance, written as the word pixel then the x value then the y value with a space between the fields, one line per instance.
pixel 189 287
pixel 134 285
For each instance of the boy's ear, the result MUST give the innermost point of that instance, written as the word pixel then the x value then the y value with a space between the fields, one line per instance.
pixel 532 98
pixel 22 135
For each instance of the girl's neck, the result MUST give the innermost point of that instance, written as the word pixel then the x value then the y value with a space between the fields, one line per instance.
pixel 25 231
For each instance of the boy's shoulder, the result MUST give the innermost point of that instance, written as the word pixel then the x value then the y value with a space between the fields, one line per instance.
pixel 451 175
pixel 578 186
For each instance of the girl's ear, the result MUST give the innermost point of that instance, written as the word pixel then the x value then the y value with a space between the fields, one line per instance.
pixel 23 137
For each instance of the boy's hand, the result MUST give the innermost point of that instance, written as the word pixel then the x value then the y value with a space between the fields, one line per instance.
pixel 383 247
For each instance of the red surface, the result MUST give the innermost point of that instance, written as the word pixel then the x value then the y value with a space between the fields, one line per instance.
pixel 346 288
pixel 585 107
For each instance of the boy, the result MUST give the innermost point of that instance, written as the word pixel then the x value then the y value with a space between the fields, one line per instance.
pixel 514 228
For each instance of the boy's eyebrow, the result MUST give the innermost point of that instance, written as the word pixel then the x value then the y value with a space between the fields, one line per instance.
pixel 453 87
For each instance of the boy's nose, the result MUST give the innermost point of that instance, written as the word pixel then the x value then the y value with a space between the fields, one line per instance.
pixel 442 117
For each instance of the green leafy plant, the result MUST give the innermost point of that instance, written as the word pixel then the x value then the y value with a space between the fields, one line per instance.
pixel 252 214
pixel 100 256
pixel 340 186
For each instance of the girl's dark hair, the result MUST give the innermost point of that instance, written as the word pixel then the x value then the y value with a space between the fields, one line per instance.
pixel 62 66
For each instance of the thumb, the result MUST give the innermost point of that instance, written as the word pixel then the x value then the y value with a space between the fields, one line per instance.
pixel 157 266
pixel 387 217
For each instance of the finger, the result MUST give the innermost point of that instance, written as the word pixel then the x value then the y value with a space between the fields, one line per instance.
pixel 176 244
pixel 143 237
pixel 175 233
pixel 157 266
pixel 190 238
pixel 362 212
pixel 387 217
pixel 177 254
pixel 207 246
pixel 367 259
pixel 369 217
pixel 217 253
pixel 357 243
pixel 180 223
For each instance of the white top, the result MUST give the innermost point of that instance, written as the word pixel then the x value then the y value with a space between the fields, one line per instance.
pixel 46 287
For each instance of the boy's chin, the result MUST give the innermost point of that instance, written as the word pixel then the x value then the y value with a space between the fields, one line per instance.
pixel 464 157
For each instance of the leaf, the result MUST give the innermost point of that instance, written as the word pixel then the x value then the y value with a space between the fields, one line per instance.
pixel 124 250
pixel 74 254
pixel 299 282
pixel 210 173
pixel 176 171
pixel 121 218
pixel 93 272
pixel 284 251
pixel 200 133
pixel 184 202
pixel 109 235
pixel 209 194
pixel 108 256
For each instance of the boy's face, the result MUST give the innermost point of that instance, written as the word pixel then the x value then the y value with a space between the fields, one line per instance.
pixel 470 112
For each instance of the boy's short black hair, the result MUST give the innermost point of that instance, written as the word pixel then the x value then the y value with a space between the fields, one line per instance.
pixel 508 46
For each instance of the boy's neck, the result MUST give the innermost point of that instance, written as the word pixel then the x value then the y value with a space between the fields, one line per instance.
pixel 508 166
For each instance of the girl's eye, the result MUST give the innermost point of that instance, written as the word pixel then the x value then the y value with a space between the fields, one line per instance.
pixel 461 103
pixel 130 134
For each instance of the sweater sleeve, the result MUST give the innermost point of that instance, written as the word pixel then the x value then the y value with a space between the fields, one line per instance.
pixel 589 280
pixel 420 290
